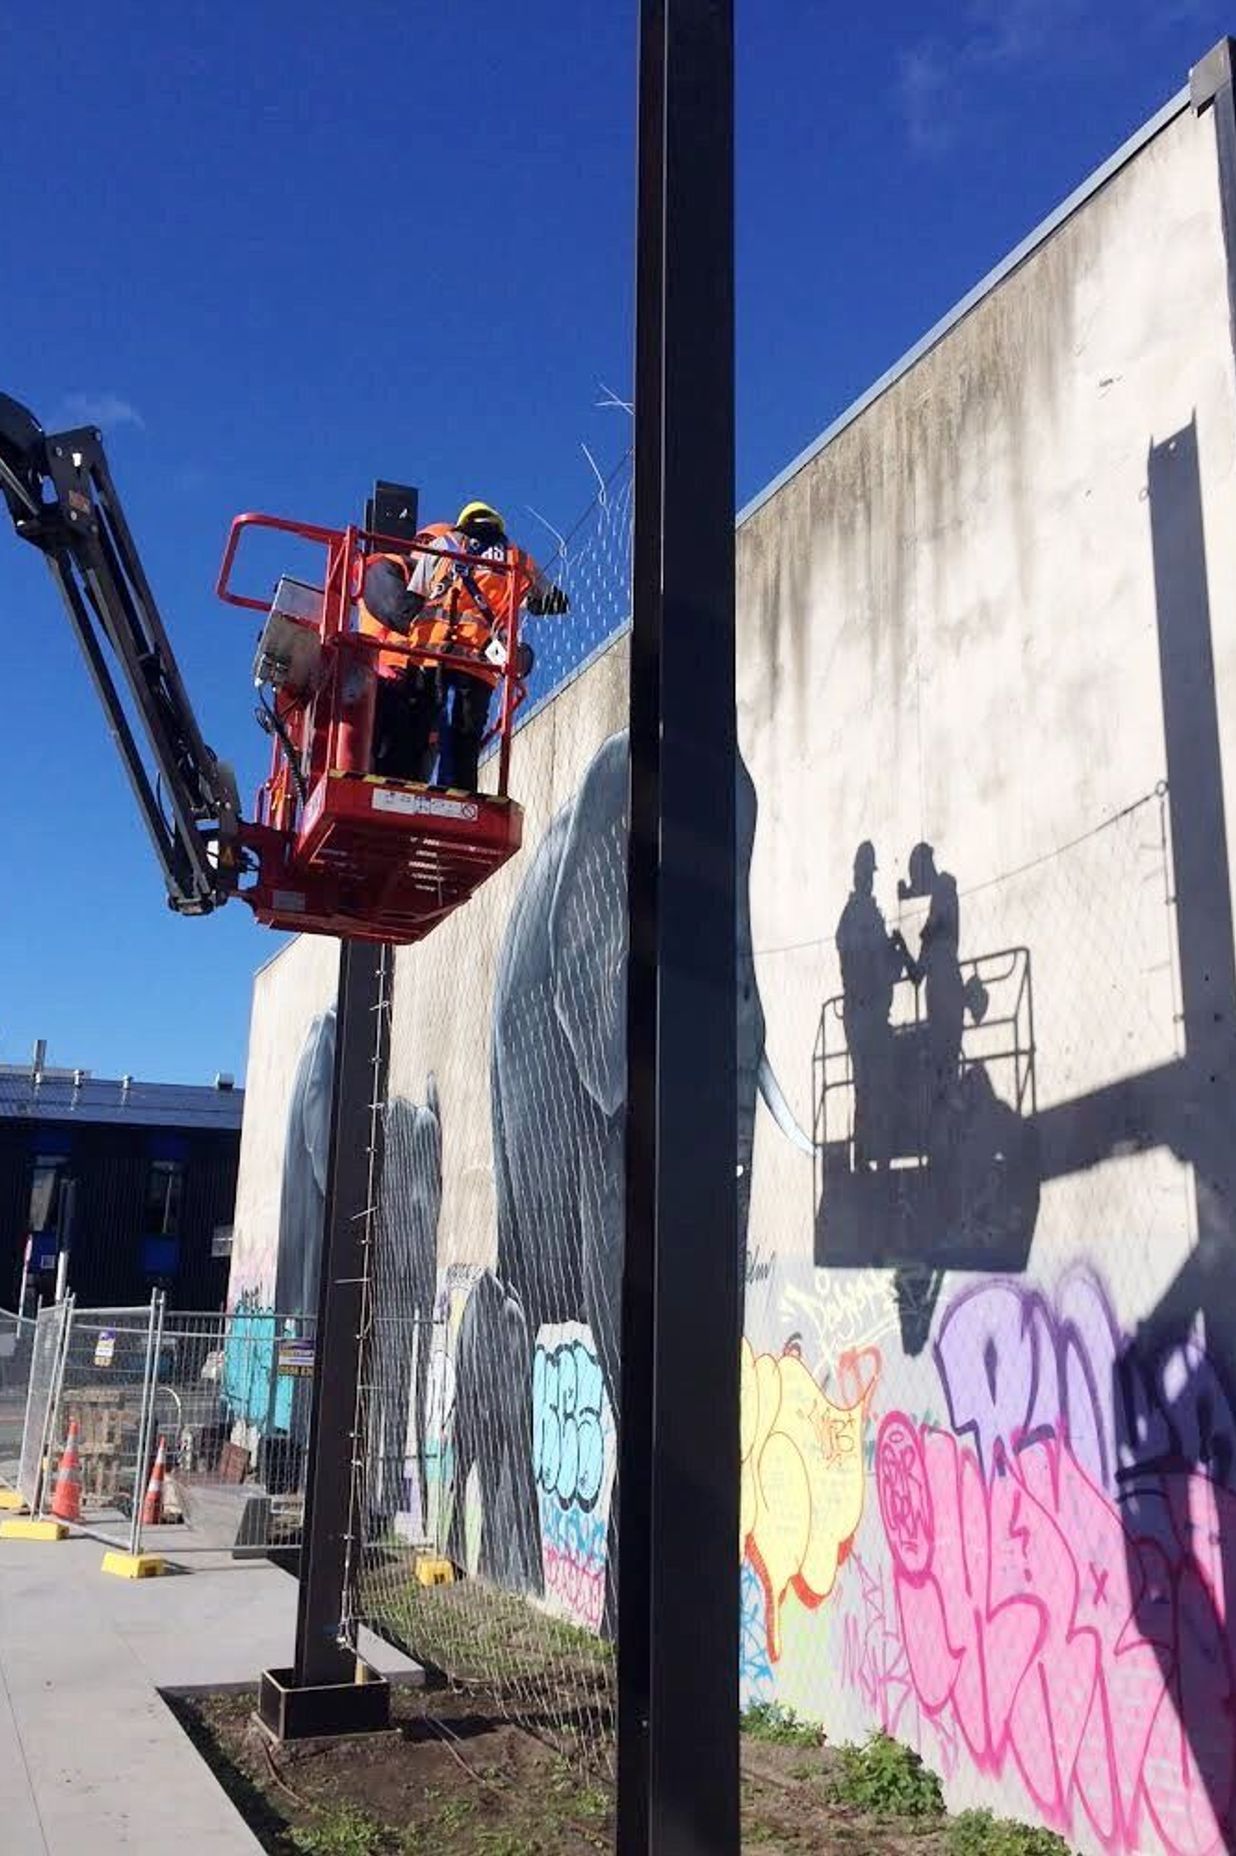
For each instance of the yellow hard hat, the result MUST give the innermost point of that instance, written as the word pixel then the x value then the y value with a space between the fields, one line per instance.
pixel 484 513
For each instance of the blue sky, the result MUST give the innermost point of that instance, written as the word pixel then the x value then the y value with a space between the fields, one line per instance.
pixel 276 256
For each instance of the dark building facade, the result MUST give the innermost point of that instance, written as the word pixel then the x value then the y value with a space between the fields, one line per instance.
pixel 135 1181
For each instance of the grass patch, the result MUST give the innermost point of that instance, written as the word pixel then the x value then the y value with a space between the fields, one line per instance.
pixel 506 1843
pixel 343 1831
pixel 768 1720
pixel 453 1815
pixel 547 1673
pixel 591 1802
pixel 890 1779
pixel 978 1833
pixel 459 1779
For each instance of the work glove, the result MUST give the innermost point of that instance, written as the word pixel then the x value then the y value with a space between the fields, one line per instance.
pixel 551 603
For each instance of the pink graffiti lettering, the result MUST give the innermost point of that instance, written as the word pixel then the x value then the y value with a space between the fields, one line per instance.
pixel 874 1662
pixel 1093 1660
pixel 575 1587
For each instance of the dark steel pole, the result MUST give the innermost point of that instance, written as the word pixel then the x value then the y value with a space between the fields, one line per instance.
pixel 678 1600
pixel 359 1082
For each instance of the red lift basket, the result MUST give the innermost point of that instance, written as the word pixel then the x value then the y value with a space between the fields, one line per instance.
pixel 338 850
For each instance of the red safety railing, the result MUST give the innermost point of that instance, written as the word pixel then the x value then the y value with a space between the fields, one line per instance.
pixel 341 736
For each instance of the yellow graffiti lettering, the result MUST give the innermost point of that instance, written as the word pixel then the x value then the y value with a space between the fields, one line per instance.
pixel 803 1479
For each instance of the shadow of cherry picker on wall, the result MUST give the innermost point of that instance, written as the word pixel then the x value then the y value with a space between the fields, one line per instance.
pixel 924 1091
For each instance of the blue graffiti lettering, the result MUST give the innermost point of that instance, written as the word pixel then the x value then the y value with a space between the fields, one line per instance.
pixel 568 1454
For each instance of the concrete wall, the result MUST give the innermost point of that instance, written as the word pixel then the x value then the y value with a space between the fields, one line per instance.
pixel 986 1483
pixel 986 664
pixel 292 996
pixel 444 987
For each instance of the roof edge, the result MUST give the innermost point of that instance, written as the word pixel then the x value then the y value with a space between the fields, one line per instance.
pixel 1175 107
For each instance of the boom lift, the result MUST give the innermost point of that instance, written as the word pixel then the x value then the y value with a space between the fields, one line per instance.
pixel 331 849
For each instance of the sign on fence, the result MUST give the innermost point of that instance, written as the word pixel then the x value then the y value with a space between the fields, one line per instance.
pixel 296 1358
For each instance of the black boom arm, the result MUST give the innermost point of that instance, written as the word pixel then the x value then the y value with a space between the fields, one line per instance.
pixel 60 494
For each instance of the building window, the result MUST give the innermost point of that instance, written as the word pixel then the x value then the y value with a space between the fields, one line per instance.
pixel 165 1183
pixel 45 1189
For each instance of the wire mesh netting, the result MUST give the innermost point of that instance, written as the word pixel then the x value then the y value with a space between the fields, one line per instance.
pixel 592 564
pixel 487 1488
pixel 933 1138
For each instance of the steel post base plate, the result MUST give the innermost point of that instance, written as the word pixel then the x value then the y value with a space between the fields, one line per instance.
pixel 333 1709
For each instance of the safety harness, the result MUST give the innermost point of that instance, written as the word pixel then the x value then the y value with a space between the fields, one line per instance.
pixel 463 575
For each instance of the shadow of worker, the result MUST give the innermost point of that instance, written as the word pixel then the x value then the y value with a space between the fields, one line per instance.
pixel 872 961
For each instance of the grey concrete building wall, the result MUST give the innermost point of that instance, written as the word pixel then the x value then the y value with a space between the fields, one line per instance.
pixel 986 670
pixel 444 986
pixel 293 995
pixel 990 1326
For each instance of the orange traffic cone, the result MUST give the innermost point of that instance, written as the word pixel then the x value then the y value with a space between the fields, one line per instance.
pixel 67 1496
pixel 152 1507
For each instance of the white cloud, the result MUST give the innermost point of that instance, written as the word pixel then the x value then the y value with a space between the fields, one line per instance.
pixel 941 81
pixel 1011 32
pixel 925 95
pixel 103 409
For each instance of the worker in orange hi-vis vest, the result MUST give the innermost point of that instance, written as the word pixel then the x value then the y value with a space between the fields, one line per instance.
pixel 437 603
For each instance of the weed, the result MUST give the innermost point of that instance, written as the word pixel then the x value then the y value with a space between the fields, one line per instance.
pixel 454 1814
pixel 591 1801
pixel 887 1777
pixel 344 1831
pixel 768 1720
pixel 563 1780
pixel 505 1843
pixel 978 1833
pixel 757 1830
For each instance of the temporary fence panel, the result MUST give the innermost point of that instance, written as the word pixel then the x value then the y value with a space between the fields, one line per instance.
pixel 485 1501
pixel 230 1400
pixel 102 1383
pixel 16 1357
pixel 45 1358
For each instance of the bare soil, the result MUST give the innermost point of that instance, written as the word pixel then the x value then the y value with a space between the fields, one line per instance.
pixel 458 1779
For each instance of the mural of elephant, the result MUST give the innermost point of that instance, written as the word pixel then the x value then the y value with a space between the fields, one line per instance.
pixel 558 1098
pixel 405 1271
pixel 405 1259
pixel 302 1197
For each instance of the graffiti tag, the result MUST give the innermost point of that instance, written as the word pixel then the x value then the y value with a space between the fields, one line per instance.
pixel 803 1477
pixel 574 1452
pixel 1094 1662
pixel 1018 1367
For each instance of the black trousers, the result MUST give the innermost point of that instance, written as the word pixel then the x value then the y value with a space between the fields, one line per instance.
pixel 408 708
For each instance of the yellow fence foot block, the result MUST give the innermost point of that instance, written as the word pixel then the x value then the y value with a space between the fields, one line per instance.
pixel 11 1502
pixel 17 1529
pixel 134 1565
pixel 435 1572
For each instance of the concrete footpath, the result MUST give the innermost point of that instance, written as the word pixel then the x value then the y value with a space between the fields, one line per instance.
pixel 91 1759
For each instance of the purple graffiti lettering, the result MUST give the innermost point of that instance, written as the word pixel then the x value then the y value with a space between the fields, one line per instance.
pixel 1018 1368
pixel 993 1354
